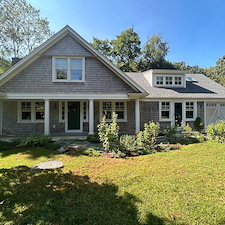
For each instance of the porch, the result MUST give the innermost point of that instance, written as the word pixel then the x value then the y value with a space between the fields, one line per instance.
pixel 65 117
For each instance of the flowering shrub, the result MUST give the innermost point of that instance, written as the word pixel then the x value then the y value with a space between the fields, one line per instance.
pixel 109 133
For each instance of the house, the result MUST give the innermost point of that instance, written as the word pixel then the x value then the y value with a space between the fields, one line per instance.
pixel 66 86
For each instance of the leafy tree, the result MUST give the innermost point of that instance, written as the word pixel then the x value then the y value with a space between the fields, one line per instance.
pixel 126 50
pixel 103 46
pixel 217 73
pixel 4 65
pixel 191 69
pixel 154 53
pixel 22 28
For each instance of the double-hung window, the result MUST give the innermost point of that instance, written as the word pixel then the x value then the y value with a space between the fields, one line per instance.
pixel 68 69
pixel 31 111
pixel 165 110
pixel 119 107
pixel 189 110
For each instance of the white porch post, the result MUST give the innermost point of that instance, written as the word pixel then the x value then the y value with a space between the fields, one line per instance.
pixel 47 117
pixel 137 115
pixel 91 116
pixel 1 105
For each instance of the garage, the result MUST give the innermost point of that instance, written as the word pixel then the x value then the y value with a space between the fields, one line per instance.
pixel 214 112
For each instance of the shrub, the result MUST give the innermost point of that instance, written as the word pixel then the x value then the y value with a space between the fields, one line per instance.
pixel 109 133
pixel 216 131
pixel 35 141
pixel 127 143
pixel 198 124
pixel 170 134
pixel 94 138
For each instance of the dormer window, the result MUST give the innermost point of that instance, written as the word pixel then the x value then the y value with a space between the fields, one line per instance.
pixel 169 80
pixel 159 80
pixel 68 69
pixel 174 80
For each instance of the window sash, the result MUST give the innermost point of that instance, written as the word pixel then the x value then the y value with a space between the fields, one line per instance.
pixel 119 107
pixel 165 113
pixel 68 69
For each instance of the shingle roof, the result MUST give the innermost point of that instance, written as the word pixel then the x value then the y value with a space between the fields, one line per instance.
pixel 203 88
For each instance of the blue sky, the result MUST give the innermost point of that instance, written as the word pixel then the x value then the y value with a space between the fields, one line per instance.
pixel 194 29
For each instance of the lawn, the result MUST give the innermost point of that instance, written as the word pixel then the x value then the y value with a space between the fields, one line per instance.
pixel 185 186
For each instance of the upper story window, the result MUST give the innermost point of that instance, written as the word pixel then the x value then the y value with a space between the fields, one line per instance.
pixel 68 69
pixel 168 81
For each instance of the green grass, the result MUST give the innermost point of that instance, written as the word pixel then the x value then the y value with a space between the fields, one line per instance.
pixel 185 186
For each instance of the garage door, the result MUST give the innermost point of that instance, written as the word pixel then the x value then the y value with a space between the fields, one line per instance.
pixel 215 112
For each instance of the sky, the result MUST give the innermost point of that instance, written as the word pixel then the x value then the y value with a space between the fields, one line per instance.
pixel 194 29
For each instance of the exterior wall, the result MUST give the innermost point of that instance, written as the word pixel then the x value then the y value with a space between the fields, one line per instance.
pixel 37 77
pixel 10 125
pixel 149 111
pixel 125 127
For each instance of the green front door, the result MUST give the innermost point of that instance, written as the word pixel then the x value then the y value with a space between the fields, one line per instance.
pixel 73 115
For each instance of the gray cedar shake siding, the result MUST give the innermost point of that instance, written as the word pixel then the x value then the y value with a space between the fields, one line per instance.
pixel 37 77
pixel 11 126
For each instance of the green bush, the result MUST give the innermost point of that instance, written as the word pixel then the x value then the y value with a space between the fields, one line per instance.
pixel 94 138
pixel 127 143
pixel 216 131
pixel 198 124
pixel 109 133
pixel 35 141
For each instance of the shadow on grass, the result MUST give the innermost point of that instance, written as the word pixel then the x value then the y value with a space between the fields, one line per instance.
pixel 33 152
pixel 53 197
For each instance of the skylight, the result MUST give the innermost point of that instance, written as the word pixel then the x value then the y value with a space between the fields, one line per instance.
pixel 191 79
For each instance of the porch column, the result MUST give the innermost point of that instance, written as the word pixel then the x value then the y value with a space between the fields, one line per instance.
pixel 1 105
pixel 91 116
pixel 47 117
pixel 137 115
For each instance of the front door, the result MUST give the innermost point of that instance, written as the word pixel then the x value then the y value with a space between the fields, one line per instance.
pixel 178 113
pixel 73 115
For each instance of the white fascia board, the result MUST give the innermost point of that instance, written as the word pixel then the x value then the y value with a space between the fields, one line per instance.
pixel 56 96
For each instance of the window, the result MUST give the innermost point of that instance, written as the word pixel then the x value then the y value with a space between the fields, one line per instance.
pixel 168 81
pixel 189 110
pixel 211 105
pixel 165 110
pixel 107 109
pixel 39 110
pixel 25 110
pixel 159 80
pixel 85 111
pixel 62 111
pixel 119 107
pixel 68 69
pixel 178 81
pixel 31 111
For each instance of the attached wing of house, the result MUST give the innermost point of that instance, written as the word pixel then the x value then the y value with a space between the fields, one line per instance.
pixel 66 86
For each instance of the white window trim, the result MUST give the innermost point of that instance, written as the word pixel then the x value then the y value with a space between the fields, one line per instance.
pixel 54 79
pixel 160 111
pixel 172 111
pixel 113 110
pixel 33 117
pixel 168 85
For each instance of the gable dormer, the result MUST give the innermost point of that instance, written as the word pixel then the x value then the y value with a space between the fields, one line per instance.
pixel 166 78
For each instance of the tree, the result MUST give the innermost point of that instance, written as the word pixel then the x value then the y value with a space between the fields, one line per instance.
pixel 103 46
pixel 4 65
pixel 154 53
pixel 126 50
pixel 22 28
pixel 217 73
